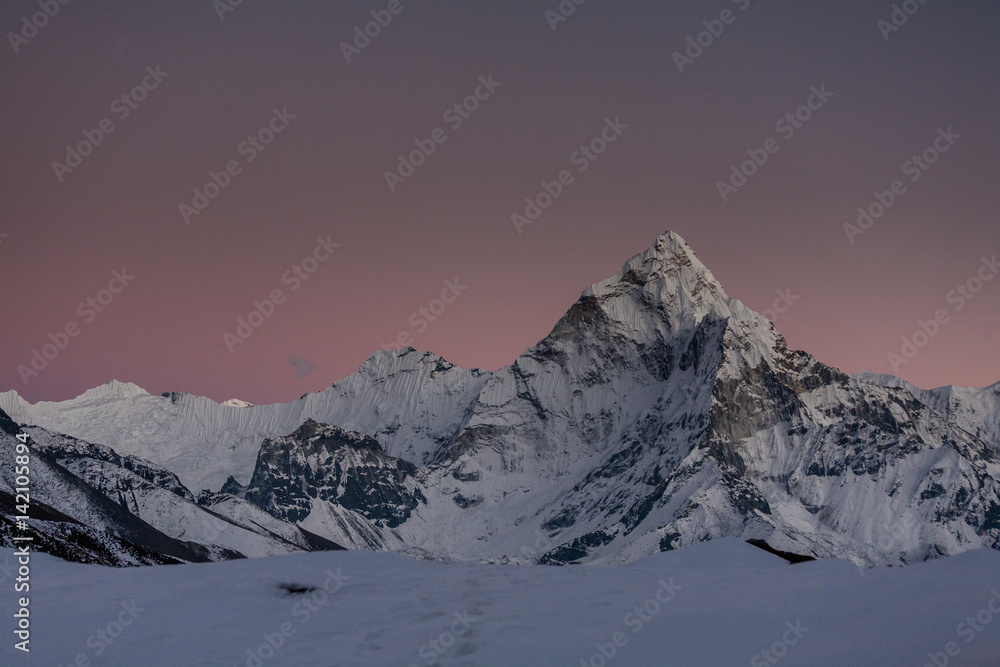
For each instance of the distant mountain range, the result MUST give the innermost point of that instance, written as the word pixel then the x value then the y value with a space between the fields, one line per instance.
pixel 659 412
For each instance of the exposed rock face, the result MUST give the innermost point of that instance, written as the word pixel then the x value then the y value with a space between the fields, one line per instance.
pixel 320 463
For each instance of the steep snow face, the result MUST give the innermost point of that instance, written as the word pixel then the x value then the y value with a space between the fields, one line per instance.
pixel 667 289
pixel 668 278
pixel 184 433
pixel 410 401
pixel 628 344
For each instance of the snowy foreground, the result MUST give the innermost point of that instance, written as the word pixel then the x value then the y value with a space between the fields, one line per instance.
pixel 717 603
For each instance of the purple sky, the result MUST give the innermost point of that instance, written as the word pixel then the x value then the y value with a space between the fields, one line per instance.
pixel 323 176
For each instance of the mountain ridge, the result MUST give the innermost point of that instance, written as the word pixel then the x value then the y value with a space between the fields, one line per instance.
pixel 658 412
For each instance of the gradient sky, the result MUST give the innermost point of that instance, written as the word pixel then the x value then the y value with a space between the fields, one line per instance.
pixel 323 176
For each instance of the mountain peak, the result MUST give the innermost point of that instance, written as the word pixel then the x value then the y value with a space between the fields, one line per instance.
pixel 112 389
pixel 672 243
pixel 668 273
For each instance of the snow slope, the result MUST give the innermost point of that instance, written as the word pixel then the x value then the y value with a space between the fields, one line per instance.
pixel 720 603
pixel 92 505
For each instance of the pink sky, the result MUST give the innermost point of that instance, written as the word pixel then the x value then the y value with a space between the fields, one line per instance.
pixel 323 176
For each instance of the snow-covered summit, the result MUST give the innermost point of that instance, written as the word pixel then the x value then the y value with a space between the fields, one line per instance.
pixel 667 276
pixel 112 389
pixel 109 391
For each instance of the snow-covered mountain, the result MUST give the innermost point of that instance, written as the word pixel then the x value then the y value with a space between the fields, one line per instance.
pixel 974 410
pixel 659 412
pixel 406 401
pixel 89 504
